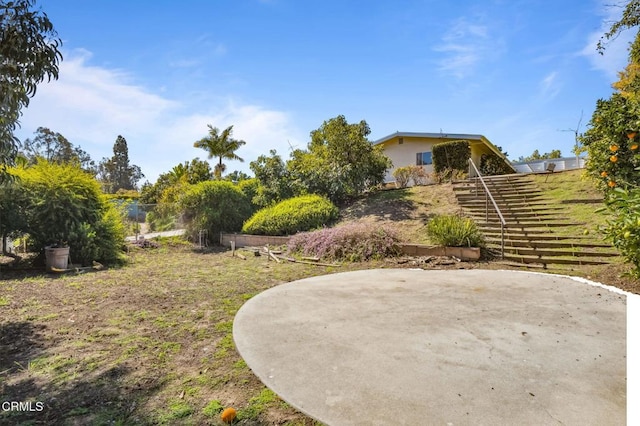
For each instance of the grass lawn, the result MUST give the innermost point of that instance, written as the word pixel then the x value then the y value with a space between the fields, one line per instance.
pixel 579 199
pixel 149 343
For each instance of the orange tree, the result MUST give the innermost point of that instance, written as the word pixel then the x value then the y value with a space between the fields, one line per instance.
pixel 613 145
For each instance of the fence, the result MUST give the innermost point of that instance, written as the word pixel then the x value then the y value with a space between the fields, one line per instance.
pixel 540 166
pixel 147 218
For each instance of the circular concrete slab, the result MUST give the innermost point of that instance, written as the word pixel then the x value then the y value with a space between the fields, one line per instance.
pixel 400 346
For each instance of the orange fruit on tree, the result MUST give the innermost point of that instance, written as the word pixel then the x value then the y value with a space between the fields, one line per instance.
pixel 631 135
pixel 228 415
pixel 611 184
pixel 613 158
pixel 604 174
pixel 613 148
pixel 634 146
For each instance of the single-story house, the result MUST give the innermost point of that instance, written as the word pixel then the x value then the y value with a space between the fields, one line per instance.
pixel 411 148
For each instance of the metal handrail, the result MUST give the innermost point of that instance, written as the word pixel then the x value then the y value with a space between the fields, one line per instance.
pixel 488 197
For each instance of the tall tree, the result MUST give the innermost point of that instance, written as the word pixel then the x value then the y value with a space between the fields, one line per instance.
pixel 340 161
pixel 220 145
pixel 116 173
pixel 54 147
pixel 613 143
pixel 630 18
pixel 275 180
pixel 28 53
pixel 555 153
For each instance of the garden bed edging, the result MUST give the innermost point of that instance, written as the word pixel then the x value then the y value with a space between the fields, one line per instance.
pixel 246 240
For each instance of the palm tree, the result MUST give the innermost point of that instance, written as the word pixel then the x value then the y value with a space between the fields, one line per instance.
pixel 220 145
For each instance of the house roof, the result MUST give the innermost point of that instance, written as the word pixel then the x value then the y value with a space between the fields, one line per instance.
pixel 431 135
pixel 454 136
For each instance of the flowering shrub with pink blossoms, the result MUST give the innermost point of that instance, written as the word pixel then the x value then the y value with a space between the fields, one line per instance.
pixel 354 242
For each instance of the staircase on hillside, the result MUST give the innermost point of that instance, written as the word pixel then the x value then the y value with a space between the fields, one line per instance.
pixel 535 231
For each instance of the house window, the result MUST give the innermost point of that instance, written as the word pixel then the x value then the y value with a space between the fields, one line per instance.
pixel 400 141
pixel 423 158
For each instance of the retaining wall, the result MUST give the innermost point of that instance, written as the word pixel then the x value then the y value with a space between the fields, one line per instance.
pixel 244 240
pixel 463 253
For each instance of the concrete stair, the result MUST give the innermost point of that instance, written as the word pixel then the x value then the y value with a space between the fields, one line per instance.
pixel 533 222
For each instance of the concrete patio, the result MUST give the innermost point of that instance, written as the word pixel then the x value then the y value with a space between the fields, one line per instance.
pixel 403 346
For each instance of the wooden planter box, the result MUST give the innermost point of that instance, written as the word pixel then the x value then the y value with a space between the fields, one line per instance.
pixel 462 253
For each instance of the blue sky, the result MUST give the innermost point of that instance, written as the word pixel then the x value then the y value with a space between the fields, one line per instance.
pixel 518 72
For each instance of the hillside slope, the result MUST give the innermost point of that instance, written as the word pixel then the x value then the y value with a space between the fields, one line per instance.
pixel 407 210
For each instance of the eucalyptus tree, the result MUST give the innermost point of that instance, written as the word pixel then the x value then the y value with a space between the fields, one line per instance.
pixel 28 54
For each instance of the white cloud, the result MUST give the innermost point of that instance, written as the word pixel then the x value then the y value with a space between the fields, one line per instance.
pixel 92 105
pixel 464 45
pixel 549 86
pixel 615 56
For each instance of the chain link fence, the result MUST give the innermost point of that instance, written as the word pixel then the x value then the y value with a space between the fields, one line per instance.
pixel 141 219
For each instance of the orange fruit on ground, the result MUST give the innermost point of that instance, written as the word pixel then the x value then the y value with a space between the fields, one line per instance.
pixel 228 415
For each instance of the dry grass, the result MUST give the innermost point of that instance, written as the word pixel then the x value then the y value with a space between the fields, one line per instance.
pixel 407 210
pixel 149 343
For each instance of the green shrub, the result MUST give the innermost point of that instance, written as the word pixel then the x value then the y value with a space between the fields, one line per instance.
pixel 418 175
pixel 492 164
pixel 164 217
pixel 623 229
pixel 215 206
pixel 291 216
pixel 90 238
pixel 448 175
pixel 65 206
pixel 402 176
pixel 250 188
pixel 354 242
pixel 452 155
pixel 454 231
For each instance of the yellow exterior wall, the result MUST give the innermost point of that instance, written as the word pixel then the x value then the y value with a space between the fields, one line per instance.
pixel 405 154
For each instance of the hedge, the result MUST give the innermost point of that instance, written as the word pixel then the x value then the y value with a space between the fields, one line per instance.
pixel 215 206
pixel 293 215
pixel 452 155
